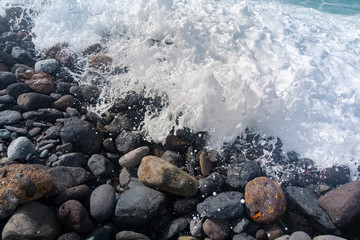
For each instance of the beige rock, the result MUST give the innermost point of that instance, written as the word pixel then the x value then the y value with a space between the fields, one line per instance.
pixel 158 173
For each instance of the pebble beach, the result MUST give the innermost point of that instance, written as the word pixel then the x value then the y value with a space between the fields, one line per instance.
pixel 67 172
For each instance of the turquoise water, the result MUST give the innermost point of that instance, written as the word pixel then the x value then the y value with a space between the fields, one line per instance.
pixel 343 7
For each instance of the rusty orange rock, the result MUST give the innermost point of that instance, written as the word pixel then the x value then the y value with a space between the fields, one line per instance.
pixel 264 199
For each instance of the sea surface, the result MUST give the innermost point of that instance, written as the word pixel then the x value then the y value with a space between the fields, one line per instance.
pixel 286 68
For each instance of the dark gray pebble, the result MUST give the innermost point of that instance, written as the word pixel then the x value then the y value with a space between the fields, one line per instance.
pixel 129 235
pixel 9 117
pixel 74 216
pixel 127 141
pixel 100 166
pixel 73 193
pixel 71 160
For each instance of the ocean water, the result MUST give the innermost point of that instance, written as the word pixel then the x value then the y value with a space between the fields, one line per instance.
pixel 286 68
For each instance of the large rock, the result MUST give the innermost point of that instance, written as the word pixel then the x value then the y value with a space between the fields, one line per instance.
pixel 133 158
pixel 9 117
pixel 20 148
pixel 342 203
pixel 19 184
pixel 307 203
pixel 137 206
pixel 66 177
pixel 224 205
pixel 82 134
pixel 41 83
pixel 240 174
pixel 34 101
pixel 48 66
pixel 158 173
pixel 6 78
pixel 32 220
pixel 335 175
pixel 74 216
pixel 264 200
pixel 102 202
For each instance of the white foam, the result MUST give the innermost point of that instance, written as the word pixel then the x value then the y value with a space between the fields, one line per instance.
pixel 280 69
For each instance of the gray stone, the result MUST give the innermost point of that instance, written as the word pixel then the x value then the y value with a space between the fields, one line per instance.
pixel 9 117
pixel 19 131
pixel 53 132
pixel 299 236
pixel 224 205
pixel 71 160
pixel 103 232
pixel 16 89
pixel 173 158
pixel 20 148
pixel 21 55
pixel 47 66
pixel 4 134
pixel 127 141
pixel 239 174
pixel 102 202
pixel 285 237
pixel 137 206
pixel 119 124
pixel 195 227
pixel 242 236
pixel 67 177
pixel 70 236
pixel 129 235
pixel 32 220
pixel 174 228
pixel 328 237
pixel 48 114
pixel 75 193
pixel 44 153
pixel 216 229
pixel 100 166
pixel 7 99
pixel 307 202
pixel 6 78
pixel 126 175
pixel 133 158
pixel 240 226
pixel 210 184
pixel 109 145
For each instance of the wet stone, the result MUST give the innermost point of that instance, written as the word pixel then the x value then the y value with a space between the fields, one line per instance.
pixel 133 158
pixel 21 55
pixel 240 174
pixel 335 175
pixel 9 117
pixel 74 216
pixel 70 236
pixel 213 183
pixel 64 102
pixel 100 166
pixel 34 101
pixel 174 228
pixel 185 205
pixel 328 237
pixel 264 200
pixel 119 124
pixel 241 225
pixel 243 236
pixel 129 235
pixel 48 66
pixel 102 202
pixel 216 229
pixel 158 173
pixel 20 148
pixel 127 141
pixel 6 78
pixel 74 193
pixel 299 236
pixel 173 158
pixel 41 83
pixel 16 89
pixel 71 160
pixel 222 206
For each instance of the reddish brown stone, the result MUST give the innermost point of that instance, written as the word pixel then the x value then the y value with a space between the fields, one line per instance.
pixel 3 68
pixel 100 61
pixel 24 76
pixel 264 200
pixel 175 143
pixel 342 204
pixel 64 102
pixel 216 229
pixel 34 101
pixel 206 165
pixel 41 83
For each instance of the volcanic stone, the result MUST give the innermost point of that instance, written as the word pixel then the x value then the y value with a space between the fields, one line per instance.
pixel 335 175
pixel 82 134
pixel 307 202
pixel 119 124
pixel 48 114
pixel 47 66
pixel 264 199
pixel 21 183
pixel 74 216
pixel 32 220
pixel 129 235
pixel 216 229
pixel 70 236
pixel 133 158
pixel 210 184
pixel 41 83
pixel 185 205
pixel 9 117
pixel 222 206
pixel 66 177
pixel 34 101
pixel 239 174
pixel 158 173
pixel 6 78
pixel 174 228
pixel 100 166
pixel 342 203
pixel 127 141
pixel 102 202
pixel 20 148
pixel 138 205
pixel 16 89
pixel 74 193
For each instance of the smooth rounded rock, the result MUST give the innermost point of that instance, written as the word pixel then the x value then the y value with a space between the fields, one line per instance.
pixel 16 89
pixel 264 200
pixel 47 66
pixel 6 78
pixel 74 193
pixel 130 235
pixel 102 202
pixel 74 216
pixel 71 160
pixel 41 83
pixel 9 117
pixel 222 206
pixel 133 158
pixel 240 174
pixel 20 148
pixel 216 229
pixel 70 236
pixel 299 236
pixel 158 173
pixel 64 102
pixel 32 220
pixel 137 206
pixel 173 158
pixel 342 204
pixel 328 237
pixel 34 101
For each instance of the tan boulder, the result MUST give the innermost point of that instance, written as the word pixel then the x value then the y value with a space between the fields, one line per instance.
pixel 160 174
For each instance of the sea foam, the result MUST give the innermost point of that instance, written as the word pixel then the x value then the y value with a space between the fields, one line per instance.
pixel 285 70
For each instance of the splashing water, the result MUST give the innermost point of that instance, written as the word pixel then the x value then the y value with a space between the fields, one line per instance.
pixel 279 68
